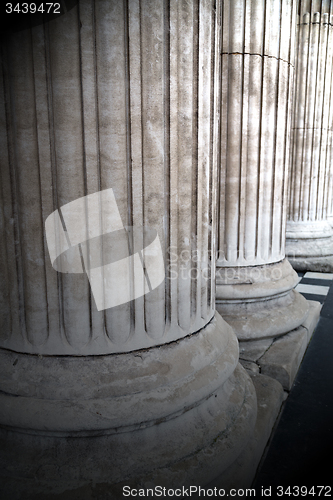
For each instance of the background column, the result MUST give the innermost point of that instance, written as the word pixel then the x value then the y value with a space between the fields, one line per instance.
pixel 122 96
pixel 309 243
pixel 254 280
pixel 309 234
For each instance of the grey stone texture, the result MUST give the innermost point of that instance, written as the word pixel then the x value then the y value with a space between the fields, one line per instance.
pixel 281 357
pixel 105 393
pixel 309 243
pixel 121 95
pixel 284 357
pixel 254 281
pixel 134 96
pixel 105 106
pixel 330 191
pixel 270 397
pixel 192 445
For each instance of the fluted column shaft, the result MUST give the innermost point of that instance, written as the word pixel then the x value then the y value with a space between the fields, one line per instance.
pixel 122 124
pixel 115 105
pixel 257 84
pixel 309 234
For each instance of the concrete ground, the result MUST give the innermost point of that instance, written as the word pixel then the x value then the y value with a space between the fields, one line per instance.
pixel 300 449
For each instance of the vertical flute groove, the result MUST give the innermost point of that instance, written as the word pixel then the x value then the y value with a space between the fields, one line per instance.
pixel 44 252
pixel 166 109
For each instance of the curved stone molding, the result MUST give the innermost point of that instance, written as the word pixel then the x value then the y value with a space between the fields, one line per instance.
pixel 209 438
pixel 137 390
pixel 265 281
pixel 309 244
pixel 259 302
pixel 254 282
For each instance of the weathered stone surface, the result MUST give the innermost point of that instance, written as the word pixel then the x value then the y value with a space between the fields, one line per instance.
pixel 254 349
pixel 270 397
pixel 254 281
pixel 250 366
pixel 192 448
pixel 122 96
pixel 309 244
pixel 317 263
pixel 284 357
pixel 257 77
pixel 330 189
pixel 264 318
pixel 281 357
pixel 108 393
pixel 87 106
pixel 312 318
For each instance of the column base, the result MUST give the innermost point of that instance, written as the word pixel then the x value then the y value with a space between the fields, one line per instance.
pixel 272 365
pixel 270 397
pixel 315 264
pixel 309 246
pixel 181 416
pixel 280 358
pixel 259 302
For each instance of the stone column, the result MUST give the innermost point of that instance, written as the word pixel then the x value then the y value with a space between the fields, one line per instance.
pixel 309 244
pixel 254 280
pixel 109 116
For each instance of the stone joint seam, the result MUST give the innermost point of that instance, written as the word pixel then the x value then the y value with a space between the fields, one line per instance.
pixel 308 24
pixel 256 54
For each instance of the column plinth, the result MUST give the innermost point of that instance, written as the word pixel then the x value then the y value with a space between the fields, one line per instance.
pixel 129 433
pixel 109 118
pixel 254 281
pixel 259 301
pixel 309 235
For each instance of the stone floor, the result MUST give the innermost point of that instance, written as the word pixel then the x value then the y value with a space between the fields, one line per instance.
pixel 300 449
pixel 315 286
